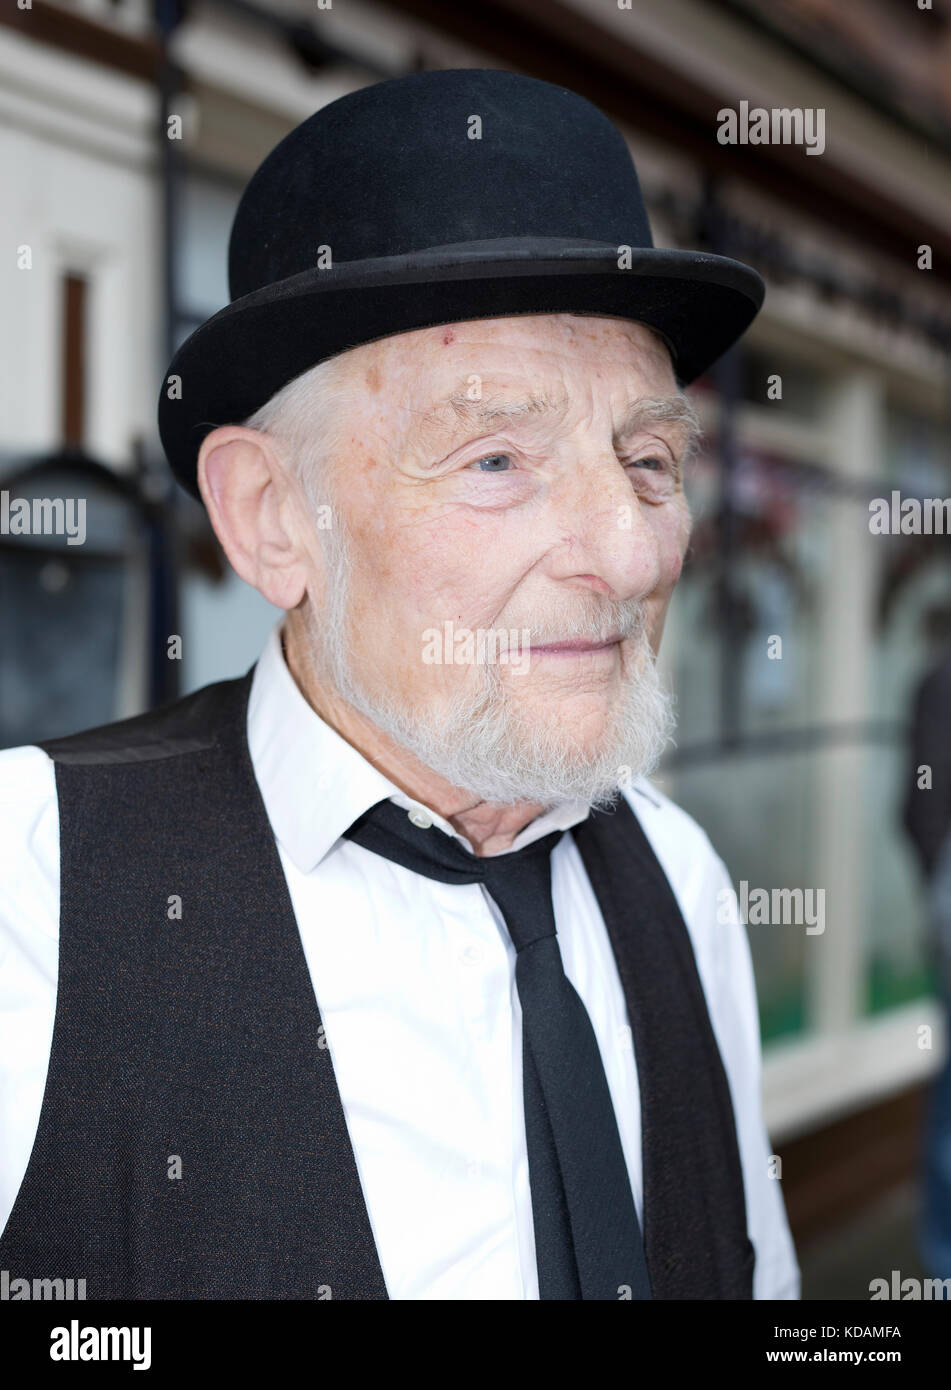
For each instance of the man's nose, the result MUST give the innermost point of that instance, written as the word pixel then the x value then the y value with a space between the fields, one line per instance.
pixel 605 528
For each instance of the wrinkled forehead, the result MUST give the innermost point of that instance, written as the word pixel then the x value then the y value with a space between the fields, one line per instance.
pixel 412 372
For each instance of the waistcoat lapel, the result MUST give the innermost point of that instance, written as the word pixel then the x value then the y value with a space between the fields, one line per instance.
pixel 694 1225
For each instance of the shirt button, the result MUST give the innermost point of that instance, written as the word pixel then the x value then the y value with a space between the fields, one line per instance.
pixel 472 955
pixel 421 817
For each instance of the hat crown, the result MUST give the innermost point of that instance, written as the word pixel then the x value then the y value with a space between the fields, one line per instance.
pixel 435 159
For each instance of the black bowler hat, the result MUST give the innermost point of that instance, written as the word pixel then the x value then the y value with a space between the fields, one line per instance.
pixel 429 199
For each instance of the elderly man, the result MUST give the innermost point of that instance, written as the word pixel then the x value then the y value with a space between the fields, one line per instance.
pixel 383 971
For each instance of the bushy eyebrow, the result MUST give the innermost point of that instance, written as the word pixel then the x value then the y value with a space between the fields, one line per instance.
pixel 662 410
pixel 481 414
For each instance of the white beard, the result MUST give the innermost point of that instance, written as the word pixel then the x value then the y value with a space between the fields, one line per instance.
pixel 486 739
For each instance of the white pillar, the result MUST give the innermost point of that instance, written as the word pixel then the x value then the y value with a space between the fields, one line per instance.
pixel 835 961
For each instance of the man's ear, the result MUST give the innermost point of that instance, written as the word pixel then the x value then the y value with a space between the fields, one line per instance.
pixel 250 505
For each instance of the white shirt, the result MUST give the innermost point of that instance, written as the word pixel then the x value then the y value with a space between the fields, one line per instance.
pixel 415 983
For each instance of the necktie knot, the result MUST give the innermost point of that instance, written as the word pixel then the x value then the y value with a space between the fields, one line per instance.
pixel 518 881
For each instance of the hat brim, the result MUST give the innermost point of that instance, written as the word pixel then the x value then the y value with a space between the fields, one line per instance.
pixel 239 358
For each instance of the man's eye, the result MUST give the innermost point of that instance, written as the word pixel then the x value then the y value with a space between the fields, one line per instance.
pixel 495 463
pixel 652 463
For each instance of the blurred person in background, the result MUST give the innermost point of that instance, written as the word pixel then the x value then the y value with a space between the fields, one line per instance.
pixel 927 819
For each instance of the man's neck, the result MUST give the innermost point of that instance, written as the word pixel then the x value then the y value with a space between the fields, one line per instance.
pixel 489 827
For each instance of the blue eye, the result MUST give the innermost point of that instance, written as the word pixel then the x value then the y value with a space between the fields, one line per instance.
pixel 491 459
pixel 655 464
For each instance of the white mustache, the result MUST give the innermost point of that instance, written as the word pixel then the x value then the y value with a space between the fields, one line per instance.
pixel 619 627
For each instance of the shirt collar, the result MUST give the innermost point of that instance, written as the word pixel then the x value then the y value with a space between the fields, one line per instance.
pixel 315 784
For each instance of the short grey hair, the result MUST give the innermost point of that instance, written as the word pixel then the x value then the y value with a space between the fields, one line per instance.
pixel 309 418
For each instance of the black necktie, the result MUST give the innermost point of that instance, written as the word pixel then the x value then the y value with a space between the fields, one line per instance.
pixel 587 1237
